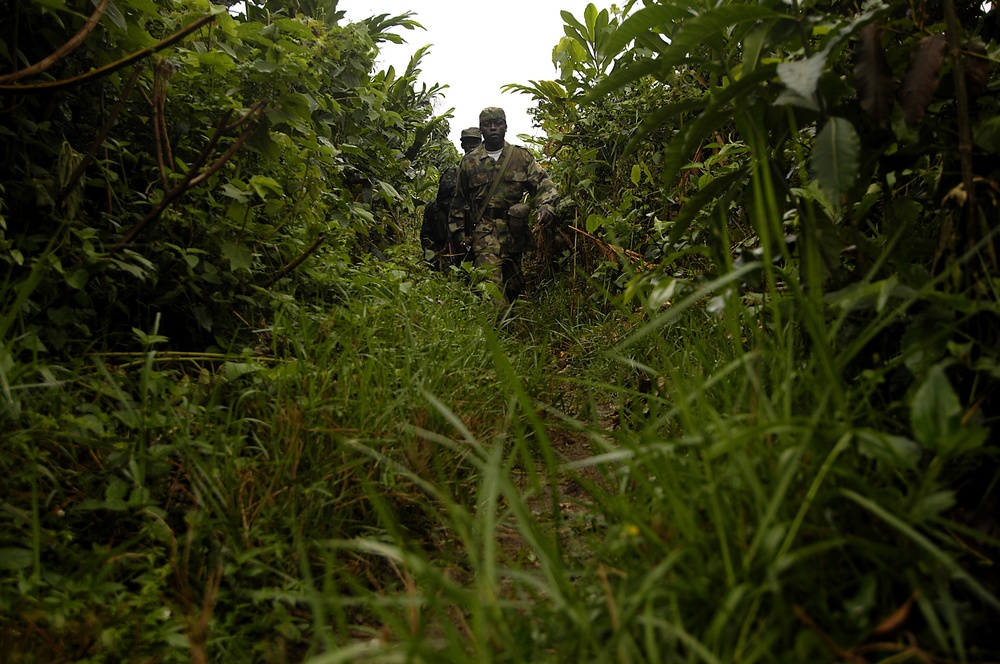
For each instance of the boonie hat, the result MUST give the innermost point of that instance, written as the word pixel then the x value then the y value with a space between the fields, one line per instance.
pixel 472 132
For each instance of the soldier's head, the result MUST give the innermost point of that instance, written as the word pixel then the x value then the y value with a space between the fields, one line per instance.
pixel 493 124
pixel 471 138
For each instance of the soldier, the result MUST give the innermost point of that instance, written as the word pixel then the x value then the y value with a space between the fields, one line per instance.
pixel 488 216
pixel 434 231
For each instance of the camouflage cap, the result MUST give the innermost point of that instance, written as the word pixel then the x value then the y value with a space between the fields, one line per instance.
pixel 472 132
pixel 492 113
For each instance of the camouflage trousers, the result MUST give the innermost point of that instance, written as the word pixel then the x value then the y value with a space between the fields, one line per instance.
pixel 504 265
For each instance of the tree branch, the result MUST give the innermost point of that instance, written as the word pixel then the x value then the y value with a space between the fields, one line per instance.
pixel 114 66
pixel 295 263
pixel 63 50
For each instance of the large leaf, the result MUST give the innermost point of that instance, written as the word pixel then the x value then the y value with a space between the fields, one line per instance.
pixel 753 46
pixel 571 21
pixel 873 75
pixel 590 16
pixel 921 78
pixel 802 76
pixel 239 255
pixel 835 157
pixel 936 417
pixel 977 69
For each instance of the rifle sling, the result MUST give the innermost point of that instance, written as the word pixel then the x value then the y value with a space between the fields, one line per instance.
pixel 497 177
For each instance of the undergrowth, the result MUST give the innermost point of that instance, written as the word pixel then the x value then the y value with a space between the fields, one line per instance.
pixel 398 477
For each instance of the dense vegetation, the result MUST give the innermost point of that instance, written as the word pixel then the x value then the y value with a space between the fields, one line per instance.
pixel 747 411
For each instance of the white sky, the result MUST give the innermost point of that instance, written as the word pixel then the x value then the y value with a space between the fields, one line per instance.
pixel 518 34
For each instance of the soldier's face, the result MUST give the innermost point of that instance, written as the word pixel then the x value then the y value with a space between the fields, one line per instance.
pixel 469 144
pixel 493 133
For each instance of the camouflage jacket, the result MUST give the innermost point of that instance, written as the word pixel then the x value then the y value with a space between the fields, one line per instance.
pixel 434 231
pixel 475 177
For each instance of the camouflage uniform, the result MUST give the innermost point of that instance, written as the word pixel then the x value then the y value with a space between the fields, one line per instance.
pixel 434 235
pixel 503 232
pixel 434 230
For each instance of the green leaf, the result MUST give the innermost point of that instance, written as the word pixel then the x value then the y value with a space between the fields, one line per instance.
pixel 234 370
pixel 636 174
pixel 264 185
pixel 896 451
pixel 753 46
pixel 235 193
pixel 572 21
pixel 802 76
pixel 590 16
pixel 216 60
pixel 388 192
pixel 932 505
pixel 835 157
pixel 294 27
pixel 114 496
pixel 240 257
pixel 662 293
pixel 116 17
pixel 987 135
pixel 77 279
pixel 593 223
pixel 13 558
pixel 936 411
pixel 936 417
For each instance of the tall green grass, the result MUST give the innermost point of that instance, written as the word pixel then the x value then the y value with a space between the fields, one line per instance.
pixel 392 476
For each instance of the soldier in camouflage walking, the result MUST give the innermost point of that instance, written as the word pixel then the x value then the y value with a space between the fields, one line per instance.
pixel 434 236
pixel 488 215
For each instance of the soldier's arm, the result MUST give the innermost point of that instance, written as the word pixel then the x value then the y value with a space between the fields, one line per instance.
pixel 544 190
pixel 459 209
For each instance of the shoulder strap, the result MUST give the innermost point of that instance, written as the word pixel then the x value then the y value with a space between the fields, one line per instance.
pixel 504 160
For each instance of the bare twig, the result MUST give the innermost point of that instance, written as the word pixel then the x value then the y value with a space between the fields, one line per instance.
pixel 295 263
pixel 612 250
pixel 63 50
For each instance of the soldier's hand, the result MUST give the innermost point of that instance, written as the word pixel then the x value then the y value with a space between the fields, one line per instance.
pixel 545 217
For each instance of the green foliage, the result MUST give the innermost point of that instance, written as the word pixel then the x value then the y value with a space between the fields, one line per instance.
pixel 761 431
pixel 228 159
pixel 818 209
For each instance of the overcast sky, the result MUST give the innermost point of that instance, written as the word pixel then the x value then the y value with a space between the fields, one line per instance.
pixel 478 47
